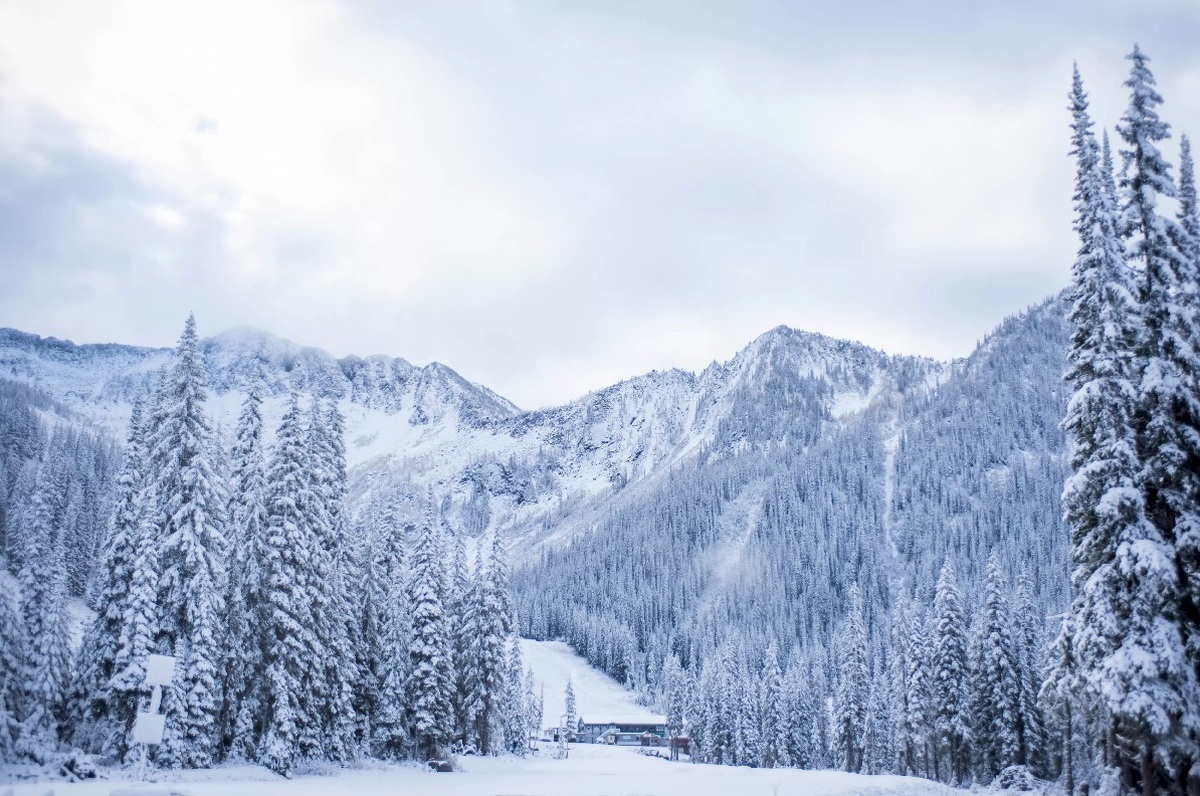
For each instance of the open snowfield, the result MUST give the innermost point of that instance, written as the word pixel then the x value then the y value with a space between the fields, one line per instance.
pixel 589 771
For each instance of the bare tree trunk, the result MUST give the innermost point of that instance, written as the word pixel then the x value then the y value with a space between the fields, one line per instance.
pixel 1147 772
pixel 1068 753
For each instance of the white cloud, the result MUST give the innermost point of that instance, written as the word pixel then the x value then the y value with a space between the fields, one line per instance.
pixel 546 202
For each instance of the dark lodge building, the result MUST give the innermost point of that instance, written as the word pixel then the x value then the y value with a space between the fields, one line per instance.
pixel 624 732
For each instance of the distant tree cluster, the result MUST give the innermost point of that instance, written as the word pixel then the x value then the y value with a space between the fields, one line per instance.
pixel 296 640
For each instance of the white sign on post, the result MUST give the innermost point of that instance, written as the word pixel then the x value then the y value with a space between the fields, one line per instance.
pixel 160 669
pixel 148 728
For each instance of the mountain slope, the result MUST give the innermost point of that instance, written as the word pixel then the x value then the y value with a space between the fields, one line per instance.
pixel 680 511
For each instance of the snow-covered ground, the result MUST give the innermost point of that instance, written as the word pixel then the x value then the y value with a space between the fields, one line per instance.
pixel 597 696
pixel 589 771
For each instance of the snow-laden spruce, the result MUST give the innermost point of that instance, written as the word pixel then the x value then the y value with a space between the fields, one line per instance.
pixel 1125 668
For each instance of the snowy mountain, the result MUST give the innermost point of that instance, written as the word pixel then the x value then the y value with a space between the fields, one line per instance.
pixel 419 428
pixel 675 509
pixel 101 380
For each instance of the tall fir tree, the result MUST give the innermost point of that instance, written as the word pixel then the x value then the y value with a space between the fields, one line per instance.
pixel 101 714
pixel 901 644
pixel 327 468
pixel 995 679
pixel 516 730
pixel 12 673
pixel 495 627
pixel 387 663
pixel 572 717
pixel 1187 540
pixel 462 608
pixel 1062 702
pixel 676 697
pixel 430 677
pixel 772 718
pixel 290 637
pixel 139 627
pixel 47 658
pixel 950 676
pixel 191 543
pixel 918 716
pixel 1031 728
pixel 246 603
pixel 1153 700
pixel 854 682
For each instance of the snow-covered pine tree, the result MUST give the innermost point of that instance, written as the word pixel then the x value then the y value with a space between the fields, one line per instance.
pixel 12 671
pixel 1027 650
pixel 462 609
pixel 569 704
pixel 535 703
pixel 516 725
pixel 901 641
pixel 995 680
pixel 1187 542
pixel 246 602
pixel 822 749
pixel 1155 700
pixel 388 639
pixel 47 658
pixel 290 637
pixel 1101 502
pixel 772 704
pixel 430 676
pixel 313 720
pixel 1061 701
pixel 495 627
pixel 675 696
pixel 101 716
pixel 798 710
pixel 697 715
pixel 327 467
pixel 854 682
pixel 471 673
pixel 190 603
pixel 918 717
pixel 719 709
pixel 878 753
pixel 139 627
pixel 748 717
pixel 950 678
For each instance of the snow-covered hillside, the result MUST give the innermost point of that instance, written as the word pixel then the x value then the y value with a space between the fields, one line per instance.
pixel 597 696
pixel 538 476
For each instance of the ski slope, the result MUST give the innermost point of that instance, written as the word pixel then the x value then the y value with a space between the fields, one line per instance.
pixel 597 696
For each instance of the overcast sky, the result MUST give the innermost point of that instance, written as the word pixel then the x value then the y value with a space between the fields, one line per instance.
pixel 549 197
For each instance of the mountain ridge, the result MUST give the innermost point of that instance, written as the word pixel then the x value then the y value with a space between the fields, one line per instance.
pixel 536 475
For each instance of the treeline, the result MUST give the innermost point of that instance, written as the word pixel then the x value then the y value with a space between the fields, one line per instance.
pixel 299 635
pixel 43 451
pixel 947 697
